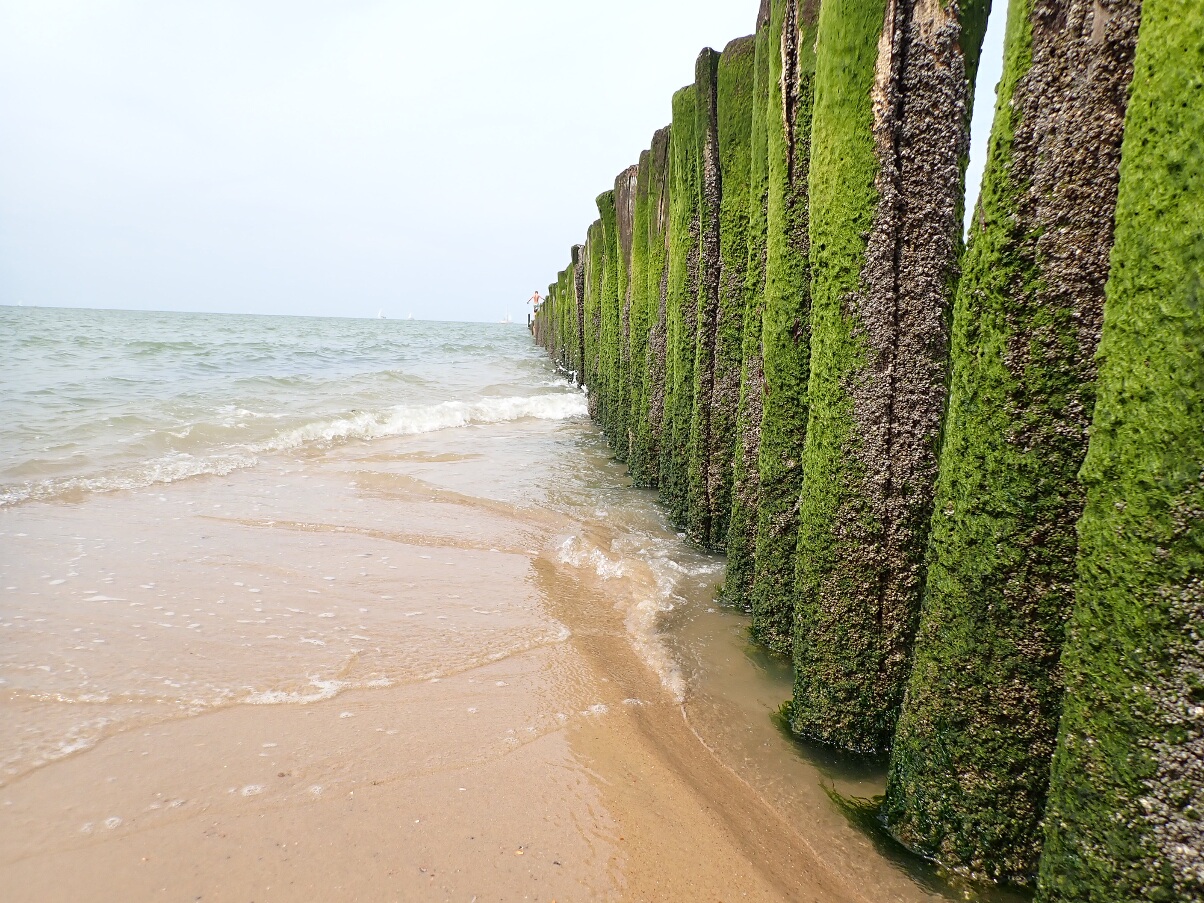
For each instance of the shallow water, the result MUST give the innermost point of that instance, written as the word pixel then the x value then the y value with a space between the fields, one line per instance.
pixel 253 566
pixel 102 400
pixel 113 610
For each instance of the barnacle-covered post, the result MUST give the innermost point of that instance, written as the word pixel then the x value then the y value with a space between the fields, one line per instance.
pixel 725 194
pixel 648 416
pixel 970 765
pixel 786 329
pixel 746 483
pixel 682 303
pixel 1125 819
pixel 889 142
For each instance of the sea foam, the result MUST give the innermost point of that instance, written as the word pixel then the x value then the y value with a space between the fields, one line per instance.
pixel 408 420
pixel 400 420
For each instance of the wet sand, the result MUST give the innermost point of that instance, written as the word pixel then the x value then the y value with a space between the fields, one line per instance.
pixel 485 716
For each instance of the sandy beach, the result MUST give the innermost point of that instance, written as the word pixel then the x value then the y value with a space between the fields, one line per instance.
pixel 527 750
pixel 329 610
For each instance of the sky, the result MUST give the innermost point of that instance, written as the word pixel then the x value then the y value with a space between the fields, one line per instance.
pixel 331 157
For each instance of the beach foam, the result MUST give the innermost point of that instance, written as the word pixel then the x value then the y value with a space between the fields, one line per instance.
pixel 400 420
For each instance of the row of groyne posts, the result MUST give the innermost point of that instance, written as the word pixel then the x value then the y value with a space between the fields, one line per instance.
pixel 963 487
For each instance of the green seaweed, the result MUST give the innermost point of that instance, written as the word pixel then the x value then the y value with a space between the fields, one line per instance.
pixel 565 320
pixel 702 404
pixel 884 242
pixel 733 127
pixel 1125 797
pixel 608 334
pixel 619 426
pixel 786 327
pixel 594 264
pixel 681 306
pixel 742 522
pixel 577 290
pixel 640 326
pixel 645 444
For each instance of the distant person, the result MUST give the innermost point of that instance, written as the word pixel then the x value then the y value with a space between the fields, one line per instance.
pixel 535 299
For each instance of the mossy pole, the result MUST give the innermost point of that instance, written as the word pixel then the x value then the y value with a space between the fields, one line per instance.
pixel 564 337
pixel 571 336
pixel 1125 819
pixel 554 320
pixel 594 264
pixel 537 327
pixel 891 134
pixel 645 452
pixel 553 324
pixel 786 331
pixel 710 189
pixel 608 334
pixel 639 326
pixel 545 310
pixel 724 193
pixel 578 258
pixel 625 191
pixel 563 334
pixel 681 306
pixel 742 524
pixel 564 302
pixel 970 764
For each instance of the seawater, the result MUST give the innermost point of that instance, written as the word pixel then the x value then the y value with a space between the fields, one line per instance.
pixel 103 400
pixel 201 510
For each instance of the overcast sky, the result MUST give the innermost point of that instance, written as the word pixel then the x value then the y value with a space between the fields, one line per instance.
pixel 329 156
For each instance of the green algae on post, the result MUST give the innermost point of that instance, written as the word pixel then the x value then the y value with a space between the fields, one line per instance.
pixel 715 449
pixel 639 326
pixel 643 461
pixel 608 335
pixel 891 133
pixel 985 689
pixel 592 312
pixel 579 312
pixel 698 502
pixel 1125 819
pixel 625 191
pixel 681 306
pixel 742 524
pixel 786 323
pixel 564 320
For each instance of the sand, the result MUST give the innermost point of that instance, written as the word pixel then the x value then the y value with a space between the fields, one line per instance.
pixel 524 747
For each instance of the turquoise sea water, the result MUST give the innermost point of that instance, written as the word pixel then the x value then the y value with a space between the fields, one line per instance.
pixel 101 400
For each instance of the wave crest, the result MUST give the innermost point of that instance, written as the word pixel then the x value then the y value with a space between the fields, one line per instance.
pixel 409 420
pixel 402 420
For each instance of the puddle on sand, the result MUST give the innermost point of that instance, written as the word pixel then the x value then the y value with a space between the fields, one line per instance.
pixel 735 690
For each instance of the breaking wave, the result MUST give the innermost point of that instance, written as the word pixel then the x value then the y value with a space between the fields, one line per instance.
pixel 400 420
pixel 408 420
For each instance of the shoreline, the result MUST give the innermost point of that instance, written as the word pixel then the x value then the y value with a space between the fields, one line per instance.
pixel 585 776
